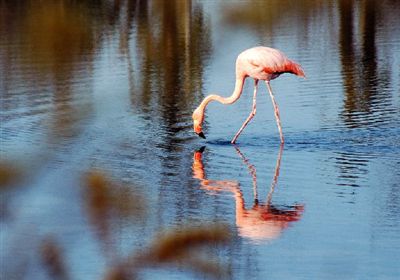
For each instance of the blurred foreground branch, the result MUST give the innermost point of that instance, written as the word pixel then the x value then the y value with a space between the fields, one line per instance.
pixel 178 248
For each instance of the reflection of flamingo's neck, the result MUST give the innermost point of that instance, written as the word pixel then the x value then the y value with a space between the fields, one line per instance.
pixel 198 167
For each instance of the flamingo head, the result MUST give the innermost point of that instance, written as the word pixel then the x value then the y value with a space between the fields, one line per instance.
pixel 198 118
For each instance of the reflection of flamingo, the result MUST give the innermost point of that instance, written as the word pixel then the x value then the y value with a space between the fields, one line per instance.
pixel 262 221
pixel 259 63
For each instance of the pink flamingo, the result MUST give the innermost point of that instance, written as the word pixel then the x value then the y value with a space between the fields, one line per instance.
pixel 259 63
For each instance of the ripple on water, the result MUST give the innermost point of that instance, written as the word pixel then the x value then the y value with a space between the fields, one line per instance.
pixel 219 142
pixel 372 142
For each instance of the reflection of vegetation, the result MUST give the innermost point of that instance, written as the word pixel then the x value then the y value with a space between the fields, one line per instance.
pixel 364 104
pixel 171 56
pixel 57 34
pixel 261 16
pixel 58 42
pixel 45 45
pixel 47 56
pixel 172 43
pixel 360 72
pixel 351 167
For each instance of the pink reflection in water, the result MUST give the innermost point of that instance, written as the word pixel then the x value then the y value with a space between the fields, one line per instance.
pixel 261 222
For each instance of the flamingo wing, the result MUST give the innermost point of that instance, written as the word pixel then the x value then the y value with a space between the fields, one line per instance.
pixel 272 61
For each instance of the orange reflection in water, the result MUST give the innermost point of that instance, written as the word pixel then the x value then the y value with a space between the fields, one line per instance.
pixel 261 222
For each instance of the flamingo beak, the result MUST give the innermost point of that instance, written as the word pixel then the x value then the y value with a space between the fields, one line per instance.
pixel 201 134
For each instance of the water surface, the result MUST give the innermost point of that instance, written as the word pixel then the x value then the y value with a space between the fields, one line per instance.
pixel 111 86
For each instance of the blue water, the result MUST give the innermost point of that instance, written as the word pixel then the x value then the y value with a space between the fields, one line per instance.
pixel 111 86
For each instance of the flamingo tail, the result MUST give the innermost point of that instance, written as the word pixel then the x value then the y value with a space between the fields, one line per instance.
pixel 294 68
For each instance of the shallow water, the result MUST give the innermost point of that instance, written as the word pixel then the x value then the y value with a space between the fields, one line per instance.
pixel 111 86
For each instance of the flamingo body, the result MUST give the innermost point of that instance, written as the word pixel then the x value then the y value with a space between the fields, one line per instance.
pixel 263 63
pixel 259 63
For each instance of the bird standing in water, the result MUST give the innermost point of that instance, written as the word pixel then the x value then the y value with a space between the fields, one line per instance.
pixel 259 63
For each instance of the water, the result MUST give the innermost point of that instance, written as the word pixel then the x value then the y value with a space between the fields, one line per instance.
pixel 111 86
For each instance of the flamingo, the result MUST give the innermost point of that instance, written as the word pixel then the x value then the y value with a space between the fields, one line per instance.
pixel 259 63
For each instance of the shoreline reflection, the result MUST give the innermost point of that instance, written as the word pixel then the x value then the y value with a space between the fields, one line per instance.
pixel 261 222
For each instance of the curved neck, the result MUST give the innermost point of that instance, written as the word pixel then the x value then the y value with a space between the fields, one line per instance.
pixel 224 100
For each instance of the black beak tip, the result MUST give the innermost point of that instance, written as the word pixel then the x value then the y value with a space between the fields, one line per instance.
pixel 201 134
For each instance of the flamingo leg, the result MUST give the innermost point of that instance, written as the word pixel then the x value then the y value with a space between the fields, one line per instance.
pixel 252 113
pixel 276 110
